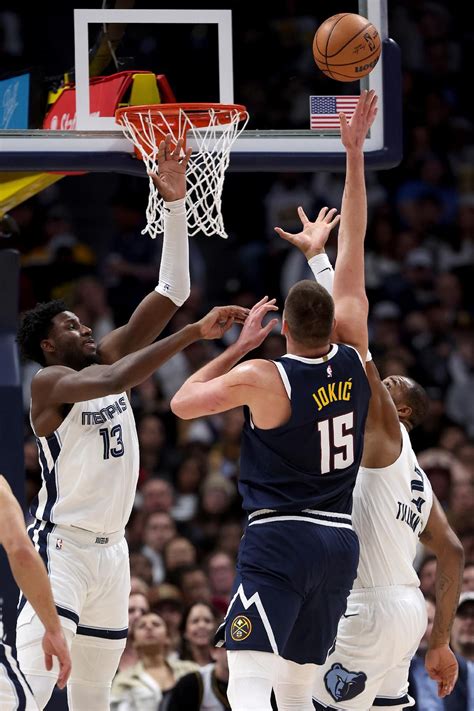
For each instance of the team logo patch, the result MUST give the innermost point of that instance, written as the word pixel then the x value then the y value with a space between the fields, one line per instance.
pixel 343 684
pixel 240 628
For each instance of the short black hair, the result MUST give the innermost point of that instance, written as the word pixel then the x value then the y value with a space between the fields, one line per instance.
pixel 309 313
pixel 415 397
pixel 35 326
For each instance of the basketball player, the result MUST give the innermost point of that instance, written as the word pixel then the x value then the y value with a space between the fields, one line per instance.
pixel 394 506
pixel 301 448
pixel 30 576
pixel 88 449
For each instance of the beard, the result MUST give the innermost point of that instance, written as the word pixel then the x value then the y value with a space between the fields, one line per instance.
pixel 78 360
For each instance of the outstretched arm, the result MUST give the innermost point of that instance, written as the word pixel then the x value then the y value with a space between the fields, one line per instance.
pixel 154 312
pixel 438 535
pixel 351 305
pixel 56 385
pixel 213 388
pixel 30 575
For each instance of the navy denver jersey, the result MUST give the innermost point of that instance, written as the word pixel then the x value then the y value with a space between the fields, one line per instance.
pixel 311 462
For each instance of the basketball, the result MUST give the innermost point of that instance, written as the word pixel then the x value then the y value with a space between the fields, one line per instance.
pixel 346 47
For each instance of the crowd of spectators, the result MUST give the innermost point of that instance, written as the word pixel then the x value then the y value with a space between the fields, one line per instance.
pixel 186 525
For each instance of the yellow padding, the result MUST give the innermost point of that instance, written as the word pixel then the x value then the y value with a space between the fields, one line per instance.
pixel 15 188
pixel 144 90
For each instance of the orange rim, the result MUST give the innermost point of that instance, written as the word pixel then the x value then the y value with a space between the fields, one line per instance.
pixel 198 113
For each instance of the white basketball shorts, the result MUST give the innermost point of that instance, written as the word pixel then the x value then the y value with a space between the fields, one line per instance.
pixel 15 693
pixel 90 579
pixel 376 639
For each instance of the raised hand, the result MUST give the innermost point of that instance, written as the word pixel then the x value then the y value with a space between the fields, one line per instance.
pixel 442 666
pixel 254 333
pixel 354 132
pixel 170 181
pixel 220 319
pixel 314 235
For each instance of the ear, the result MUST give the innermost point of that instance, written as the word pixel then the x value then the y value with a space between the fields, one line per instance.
pixel 47 345
pixel 404 412
pixel 284 326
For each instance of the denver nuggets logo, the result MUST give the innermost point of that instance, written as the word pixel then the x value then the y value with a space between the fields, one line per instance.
pixel 240 628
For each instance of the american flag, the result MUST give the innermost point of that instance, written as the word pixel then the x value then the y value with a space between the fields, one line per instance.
pixel 325 110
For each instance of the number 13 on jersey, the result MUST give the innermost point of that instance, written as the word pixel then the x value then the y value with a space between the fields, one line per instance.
pixel 337 442
pixel 114 438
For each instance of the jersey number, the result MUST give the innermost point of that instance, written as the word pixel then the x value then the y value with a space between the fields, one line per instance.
pixel 116 433
pixel 337 434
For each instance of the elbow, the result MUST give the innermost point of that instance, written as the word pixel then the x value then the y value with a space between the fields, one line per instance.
pixel 19 553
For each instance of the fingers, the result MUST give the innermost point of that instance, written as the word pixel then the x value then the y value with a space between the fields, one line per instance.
pixel 168 149
pixel 48 661
pixel 64 671
pixel 285 235
pixel 302 216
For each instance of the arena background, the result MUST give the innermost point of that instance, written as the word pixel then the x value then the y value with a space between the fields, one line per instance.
pixel 80 240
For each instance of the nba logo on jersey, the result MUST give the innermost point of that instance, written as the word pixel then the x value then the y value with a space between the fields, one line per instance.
pixel 329 371
pixel 59 544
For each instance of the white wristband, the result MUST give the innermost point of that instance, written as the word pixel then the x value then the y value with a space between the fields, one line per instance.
pixel 174 281
pixel 322 270
pixel 368 356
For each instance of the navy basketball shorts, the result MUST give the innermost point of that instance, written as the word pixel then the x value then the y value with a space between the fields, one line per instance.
pixel 294 574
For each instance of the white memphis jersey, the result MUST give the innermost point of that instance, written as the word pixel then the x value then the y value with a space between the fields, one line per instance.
pixel 391 507
pixel 90 467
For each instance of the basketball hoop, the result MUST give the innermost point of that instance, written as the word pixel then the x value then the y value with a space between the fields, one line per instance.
pixel 210 129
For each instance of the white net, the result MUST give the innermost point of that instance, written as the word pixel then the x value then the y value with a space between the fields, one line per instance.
pixel 206 168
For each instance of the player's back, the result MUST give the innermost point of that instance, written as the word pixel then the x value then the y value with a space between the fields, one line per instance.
pixel 391 507
pixel 311 461
pixel 90 467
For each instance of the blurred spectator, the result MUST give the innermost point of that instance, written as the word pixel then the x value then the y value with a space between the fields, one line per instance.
pixel 462 637
pixel 193 583
pixel 138 585
pixel 220 568
pixel 89 303
pixel 138 605
pixel 218 496
pixel 155 457
pixel 166 600
pixel 159 529
pixel 157 496
pixel 189 477
pixel 425 690
pixel 198 628
pixel 146 685
pixel 229 537
pixel 177 552
pixel 468 577
pixel 427 575
pixel 141 567
pixel 204 689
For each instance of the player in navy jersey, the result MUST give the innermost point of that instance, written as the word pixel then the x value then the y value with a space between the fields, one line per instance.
pixel 88 450
pixel 301 449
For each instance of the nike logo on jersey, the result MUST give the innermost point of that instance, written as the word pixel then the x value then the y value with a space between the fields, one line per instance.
pixel 355 614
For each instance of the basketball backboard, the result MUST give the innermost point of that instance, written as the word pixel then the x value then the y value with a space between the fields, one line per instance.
pixel 259 55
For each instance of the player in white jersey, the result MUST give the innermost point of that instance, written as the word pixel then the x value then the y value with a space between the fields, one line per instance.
pixel 393 507
pixel 29 573
pixel 88 450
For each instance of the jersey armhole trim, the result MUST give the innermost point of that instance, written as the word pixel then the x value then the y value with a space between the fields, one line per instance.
pixel 284 378
pixel 358 354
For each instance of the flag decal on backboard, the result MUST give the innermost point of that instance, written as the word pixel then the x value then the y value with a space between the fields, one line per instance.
pixel 325 110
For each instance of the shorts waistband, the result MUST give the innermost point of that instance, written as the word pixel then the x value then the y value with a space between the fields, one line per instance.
pixel 321 518
pixel 384 593
pixel 81 535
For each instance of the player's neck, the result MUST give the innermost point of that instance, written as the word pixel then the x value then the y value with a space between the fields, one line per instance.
pixel 298 349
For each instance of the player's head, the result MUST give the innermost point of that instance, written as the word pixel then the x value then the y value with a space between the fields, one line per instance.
pixel 410 399
pixel 51 335
pixel 308 317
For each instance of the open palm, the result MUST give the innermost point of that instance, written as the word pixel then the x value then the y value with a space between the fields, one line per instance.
pixel 314 235
pixel 170 180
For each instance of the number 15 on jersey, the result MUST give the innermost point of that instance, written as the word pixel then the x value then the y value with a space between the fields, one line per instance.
pixel 337 442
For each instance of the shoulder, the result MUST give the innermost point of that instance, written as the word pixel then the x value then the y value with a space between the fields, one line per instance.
pixel 44 377
pixel 256 372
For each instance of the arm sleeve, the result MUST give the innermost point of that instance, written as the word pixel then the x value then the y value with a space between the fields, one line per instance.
pixel 174 281
pixel 322 270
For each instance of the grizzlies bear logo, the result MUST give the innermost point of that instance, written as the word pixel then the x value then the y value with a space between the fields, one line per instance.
pixel 343 684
